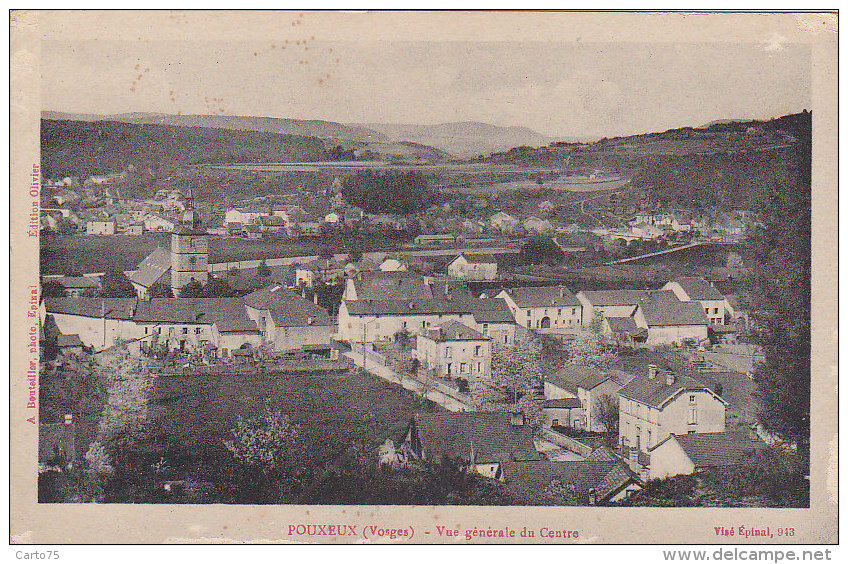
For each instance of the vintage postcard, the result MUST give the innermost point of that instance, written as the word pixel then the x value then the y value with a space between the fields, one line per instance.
pixel 423 277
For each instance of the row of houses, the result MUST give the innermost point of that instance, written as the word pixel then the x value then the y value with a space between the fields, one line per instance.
pixel 274 317
pixel 668 423
pixel 376 305
pixel 499 446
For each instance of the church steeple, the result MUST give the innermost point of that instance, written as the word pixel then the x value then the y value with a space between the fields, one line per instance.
pixel 189 250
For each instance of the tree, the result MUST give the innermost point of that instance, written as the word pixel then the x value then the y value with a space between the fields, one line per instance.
pixel 160 290
pixel 541 251
pixel 269 443
pixel 263 269
pixel 216 288
pixel 192 290
pixel 115 284
pixel 517 374
pixel 402 338
pixel 589 350
pixel 605 410
pixel 781 290
pixel 51 289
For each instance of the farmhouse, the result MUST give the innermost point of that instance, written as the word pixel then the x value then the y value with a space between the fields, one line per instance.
pixel 479 441
pixel 99 322
pixel 477 267
pixel 694 289
pixel 690 453
pixel 218 325
pixel 608 303
pixel 582 482
pixel 286 320
pixel 670 321
pixel 372 320
pixel 454 350
pixel 547 309
pixel 77 286
pixel 493 319
pixel 100 228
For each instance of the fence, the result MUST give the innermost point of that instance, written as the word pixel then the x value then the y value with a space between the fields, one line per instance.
pixel 255 368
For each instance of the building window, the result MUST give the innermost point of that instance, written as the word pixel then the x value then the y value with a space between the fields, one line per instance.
pixel 528 313
pixel 197 331
pixel 185 330
pixel 479 368
pixel 707 310
pixel 462 368
pixel 554 422
pixel 691 399
pixel 693 416
pixel 573 311
pixel 715 311
pixel 648 442
pixel 448 352
pixel 529 324
pixel 691 431
pixel 478 350
pixel 403 324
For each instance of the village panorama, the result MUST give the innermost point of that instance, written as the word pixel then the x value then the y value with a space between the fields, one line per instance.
pixel 231 313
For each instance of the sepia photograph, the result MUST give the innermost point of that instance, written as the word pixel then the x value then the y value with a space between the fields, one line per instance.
pixel 307 265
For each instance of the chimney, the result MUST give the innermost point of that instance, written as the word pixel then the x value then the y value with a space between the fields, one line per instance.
pixel 669 379
pixel 69 419
pixel 652 371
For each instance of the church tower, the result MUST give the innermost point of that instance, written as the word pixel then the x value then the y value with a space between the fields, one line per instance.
pixel 189 251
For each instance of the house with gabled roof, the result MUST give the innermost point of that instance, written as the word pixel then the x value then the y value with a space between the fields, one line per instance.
pixel 99 322
pixel 669 320
pixel 494 320
pixel 287 321
pixel 691 453
pixel 695 289
pixel 454 350
pixel 478 441
pixel 659 403
pixel 473 267
pixel 547 309
pixel 609 303
pixel 584 482
pixel 156 267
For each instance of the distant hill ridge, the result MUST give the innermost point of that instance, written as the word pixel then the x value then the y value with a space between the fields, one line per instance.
pixel 463 139
pixel 310 128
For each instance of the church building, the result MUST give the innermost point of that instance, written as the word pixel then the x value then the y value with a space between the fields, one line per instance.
pixel 187 261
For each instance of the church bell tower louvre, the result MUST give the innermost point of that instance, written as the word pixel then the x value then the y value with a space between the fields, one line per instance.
pixel 189 250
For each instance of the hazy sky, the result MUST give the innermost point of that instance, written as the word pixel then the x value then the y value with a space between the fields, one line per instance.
pixel 560 89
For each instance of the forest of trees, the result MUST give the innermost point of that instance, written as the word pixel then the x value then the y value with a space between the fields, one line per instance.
pixel 77 148
pixel 389 192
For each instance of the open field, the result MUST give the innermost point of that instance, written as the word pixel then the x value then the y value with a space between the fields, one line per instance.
pixel 333 410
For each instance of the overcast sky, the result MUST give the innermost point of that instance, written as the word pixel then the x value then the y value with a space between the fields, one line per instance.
pixel 559 89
